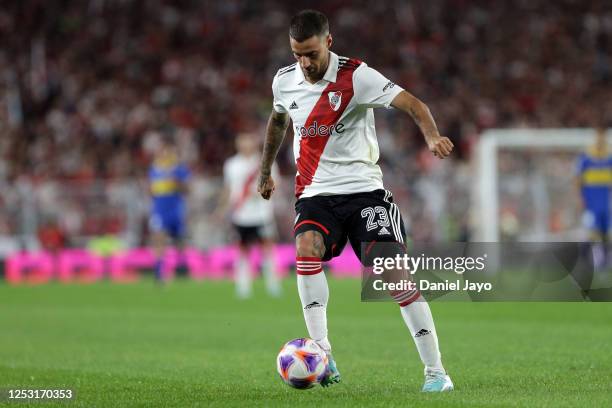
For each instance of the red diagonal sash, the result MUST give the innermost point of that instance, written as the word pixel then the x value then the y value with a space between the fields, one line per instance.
pixel 311 148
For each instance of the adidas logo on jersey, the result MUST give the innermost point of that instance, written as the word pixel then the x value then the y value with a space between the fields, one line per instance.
pixel 383 231
pixel 293 105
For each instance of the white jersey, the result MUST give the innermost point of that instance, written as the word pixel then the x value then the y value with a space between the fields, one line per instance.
pixel 334 142
pixel 248 208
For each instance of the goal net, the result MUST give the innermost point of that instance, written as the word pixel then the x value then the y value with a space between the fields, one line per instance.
pixel 525 188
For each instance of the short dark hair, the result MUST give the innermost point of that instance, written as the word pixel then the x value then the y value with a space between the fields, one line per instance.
pixel 308 23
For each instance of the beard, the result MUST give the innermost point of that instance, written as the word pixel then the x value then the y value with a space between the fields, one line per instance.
pixel 312 75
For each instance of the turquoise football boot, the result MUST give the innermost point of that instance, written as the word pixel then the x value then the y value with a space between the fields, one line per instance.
pixel 437 381
pixel 332 375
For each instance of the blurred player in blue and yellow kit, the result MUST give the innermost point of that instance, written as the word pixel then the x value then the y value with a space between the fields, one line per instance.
pixel 595 184
pixel 168 179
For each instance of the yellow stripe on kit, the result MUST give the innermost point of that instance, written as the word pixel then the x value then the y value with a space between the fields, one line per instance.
pixel 597 177
pixel 163 187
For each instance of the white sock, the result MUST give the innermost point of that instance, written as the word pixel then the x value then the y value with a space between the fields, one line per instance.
pixel 419 320
pixel 314 295
pixel 243 277
pixel 270 276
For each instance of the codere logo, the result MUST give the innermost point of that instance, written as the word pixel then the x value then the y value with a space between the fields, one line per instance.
pixel 316 130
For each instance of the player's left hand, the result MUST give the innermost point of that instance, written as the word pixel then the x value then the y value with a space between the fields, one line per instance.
pixel 265 186
pixel 440 146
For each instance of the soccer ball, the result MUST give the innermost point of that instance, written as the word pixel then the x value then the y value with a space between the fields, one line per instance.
pixel 301 363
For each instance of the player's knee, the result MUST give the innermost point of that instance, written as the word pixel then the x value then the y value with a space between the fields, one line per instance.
pixel 310 243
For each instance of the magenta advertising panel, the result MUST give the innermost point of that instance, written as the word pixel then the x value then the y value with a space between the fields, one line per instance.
pixel 83 266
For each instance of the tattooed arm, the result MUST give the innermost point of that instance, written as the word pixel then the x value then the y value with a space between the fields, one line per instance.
pixel 440 146
pixel 275 133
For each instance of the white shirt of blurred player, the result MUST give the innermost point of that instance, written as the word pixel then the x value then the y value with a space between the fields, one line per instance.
pixel 248 208
pixel 347 163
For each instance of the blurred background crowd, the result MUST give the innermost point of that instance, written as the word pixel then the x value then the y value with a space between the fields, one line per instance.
pixel 87 88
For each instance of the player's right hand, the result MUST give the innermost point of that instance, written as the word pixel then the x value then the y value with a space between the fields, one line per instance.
pixel 265 186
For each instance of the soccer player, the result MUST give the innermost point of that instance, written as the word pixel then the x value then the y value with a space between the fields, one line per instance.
pixel 168 185
pixel 252 216
pixel 339 186
pixel 595 182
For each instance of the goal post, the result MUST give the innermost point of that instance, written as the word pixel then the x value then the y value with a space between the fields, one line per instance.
pixel 526 142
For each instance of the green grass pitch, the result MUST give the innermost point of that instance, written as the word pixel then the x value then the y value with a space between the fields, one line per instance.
pixel 193 344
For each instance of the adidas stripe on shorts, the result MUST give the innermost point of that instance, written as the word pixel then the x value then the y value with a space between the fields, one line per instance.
pixel 356 218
